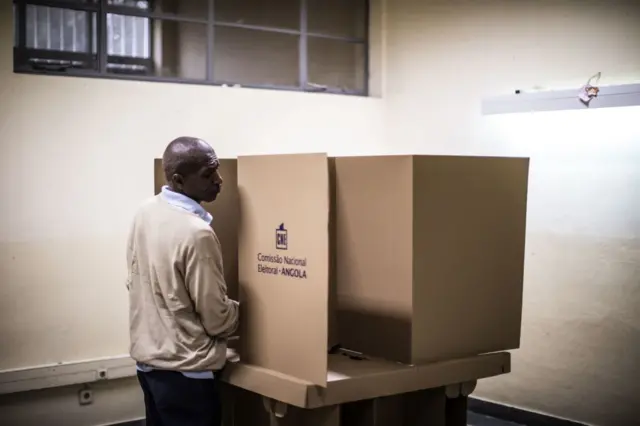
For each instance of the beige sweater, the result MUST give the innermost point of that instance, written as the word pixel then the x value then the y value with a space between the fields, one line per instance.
pixel 180 314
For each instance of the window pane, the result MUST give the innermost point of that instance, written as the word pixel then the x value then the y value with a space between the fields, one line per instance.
pixel 337 64
pixel 344 18
pixel 157 47
pixel 50 28
pixel 250 57
pixel 128 36
pixel 267 13
pixel 197 9
pixel 57 39
pixel 138 4
pixel 64 3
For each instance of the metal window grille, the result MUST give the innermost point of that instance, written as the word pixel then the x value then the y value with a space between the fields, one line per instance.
pixel 109 38
pixel 67 30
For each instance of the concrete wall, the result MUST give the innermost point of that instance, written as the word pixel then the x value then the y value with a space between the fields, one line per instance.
pixel 581 319
pixel 76 160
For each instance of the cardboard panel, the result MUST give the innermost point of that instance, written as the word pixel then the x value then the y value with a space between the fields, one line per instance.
pixel 430 255
pixel 425 407
pixel 360 413
pixel 226 215
pixel 284 263
pixel 248 409
pixel 374 252
pixel 159 179
pixel 226 219
pixel 333 339
pixel 324 416
pixel 469 241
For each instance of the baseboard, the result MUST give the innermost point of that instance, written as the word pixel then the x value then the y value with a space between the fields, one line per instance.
pixel 131 423
pixel 66 374
pixel 517 415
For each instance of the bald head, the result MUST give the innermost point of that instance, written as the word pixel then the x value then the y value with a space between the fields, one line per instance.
pixel 184 155
pixel 191 168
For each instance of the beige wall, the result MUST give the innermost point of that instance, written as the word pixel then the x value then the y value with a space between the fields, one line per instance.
pixel 114 402
pixel 63 220
pixel 581 319
pixel 77 158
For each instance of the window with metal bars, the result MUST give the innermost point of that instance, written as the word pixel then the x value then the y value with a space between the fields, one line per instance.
pixel 307 45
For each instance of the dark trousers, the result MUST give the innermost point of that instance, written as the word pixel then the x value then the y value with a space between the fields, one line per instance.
pixel 171 399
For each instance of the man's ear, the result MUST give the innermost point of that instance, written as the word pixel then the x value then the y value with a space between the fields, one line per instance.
pixel 177 181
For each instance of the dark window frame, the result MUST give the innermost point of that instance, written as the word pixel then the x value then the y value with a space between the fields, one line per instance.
pixel 100 59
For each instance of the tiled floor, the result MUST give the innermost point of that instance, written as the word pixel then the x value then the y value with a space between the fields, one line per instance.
pixel 474 419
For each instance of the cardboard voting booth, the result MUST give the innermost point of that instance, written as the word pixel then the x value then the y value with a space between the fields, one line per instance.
pixel 430 255
pixel 416 262
pixel 425 255
pixel 284 263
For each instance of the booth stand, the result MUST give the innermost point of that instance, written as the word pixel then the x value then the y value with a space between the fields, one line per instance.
pixel 359 392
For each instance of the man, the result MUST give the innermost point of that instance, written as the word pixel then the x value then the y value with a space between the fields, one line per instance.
pixel 180 315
